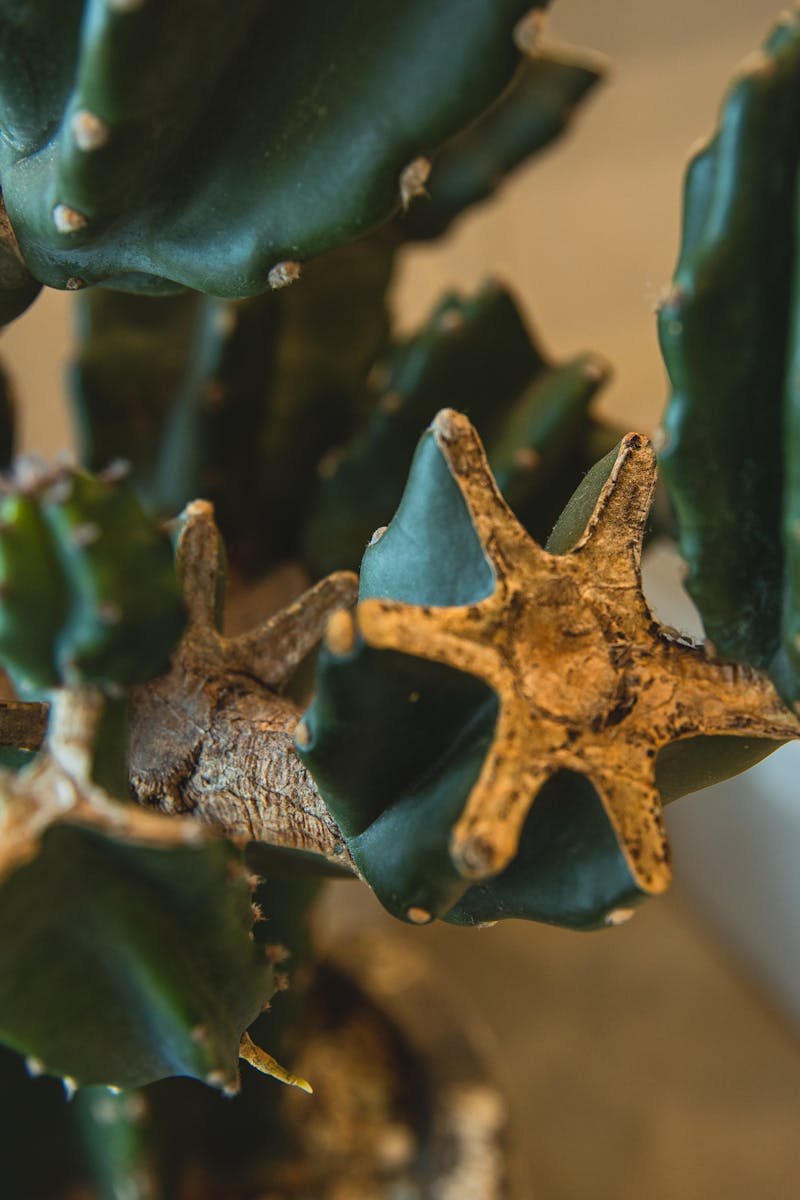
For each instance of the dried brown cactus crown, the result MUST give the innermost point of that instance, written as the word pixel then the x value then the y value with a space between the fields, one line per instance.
pixel 587 678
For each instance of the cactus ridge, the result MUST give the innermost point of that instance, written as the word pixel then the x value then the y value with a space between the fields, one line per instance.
pixel 89 590
pixel 729 335
pixel 123 175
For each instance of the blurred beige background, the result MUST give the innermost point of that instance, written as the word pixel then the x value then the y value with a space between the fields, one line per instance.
pixel 641 1062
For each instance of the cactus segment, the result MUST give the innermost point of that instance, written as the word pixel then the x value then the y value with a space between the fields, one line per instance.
pixel 33 603
pixel 727 332
pixel 125 612
pixel 18 288
pixel 533 111
pixel 123 175
pixel 236 402
pixel 89 592
pixel 532 413
pixel 545 861
pixel 155 973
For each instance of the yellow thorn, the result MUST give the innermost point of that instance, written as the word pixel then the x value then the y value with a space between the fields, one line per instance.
pixel 267 1065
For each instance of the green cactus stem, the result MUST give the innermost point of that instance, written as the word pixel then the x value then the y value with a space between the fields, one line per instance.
pixel 534 110
pixel 89 593
pixel 234 401
pixel 524 625
pixel 156 973
pixel 729 336
pixel 533 414
pixel 122 174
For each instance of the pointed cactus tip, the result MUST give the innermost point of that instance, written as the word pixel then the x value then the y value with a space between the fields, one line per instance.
pixel 284 273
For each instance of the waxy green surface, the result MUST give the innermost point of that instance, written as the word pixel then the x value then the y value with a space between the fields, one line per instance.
pixel 290 140
pixel 729 335
pixel 123 964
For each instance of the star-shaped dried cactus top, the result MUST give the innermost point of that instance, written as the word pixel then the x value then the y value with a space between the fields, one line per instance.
pixel 586 678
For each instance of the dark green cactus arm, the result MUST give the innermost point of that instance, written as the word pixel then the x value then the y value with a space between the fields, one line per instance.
pixel 154 972
pixel 33 608
pixel 533 414
pixel 727 336
pixel 233 401
pixel 89 589
pixel 532 113
pixel 249 169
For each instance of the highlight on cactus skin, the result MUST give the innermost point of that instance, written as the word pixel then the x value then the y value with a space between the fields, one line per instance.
pixel 557 664
pixel 147 183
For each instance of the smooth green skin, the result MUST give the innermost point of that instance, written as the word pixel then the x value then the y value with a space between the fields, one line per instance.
pixel 533 111
pixel 727 334
pixel 233 401
pixel 150 945
pixel 290 141
pixel 475 354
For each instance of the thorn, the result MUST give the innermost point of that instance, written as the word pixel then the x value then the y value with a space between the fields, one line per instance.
pixel 281 981
pixel 276 953
pixel 527 458
pixel 619 916
pixel 413 178
pixel 267 1065
pixel 528 31
pixel 200 1035
pixel 115 1091
pixel 221 1079
pixel 340 633
pixel 258 912
pixel 302 735
pixel 330 462
pixel 85 535
pixel 391 403
pixel 419 916
pixel 284 273
pixel 449 321
pixel 660 439
pixel 75 283
pixel 68 220
pixel 117 470
pixel 109 613
pixel 596 370
pixel 89 131
pixel 34 1066
pixel 377 535
pixel 70 1086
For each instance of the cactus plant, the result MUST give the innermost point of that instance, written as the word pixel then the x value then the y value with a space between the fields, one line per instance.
pixel 496 718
